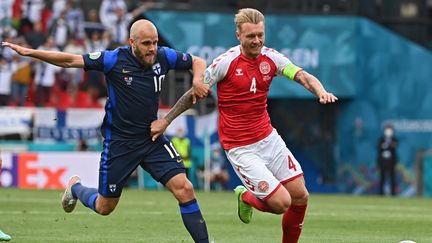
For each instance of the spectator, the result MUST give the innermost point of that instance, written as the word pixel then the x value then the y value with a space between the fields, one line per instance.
pixel 118 20
pixel 36 37
pixel 59 29
pixel 219 176
pixel 5 15
pixel 74 75
pixel 387 159
pixel 21 80
pixel 45 76
pixel 107 10
pixel 75 19
pixel 58 7
pixel 93 24
pixel 31 14
pixel 7 68
pixel 183 147
pixel 95 83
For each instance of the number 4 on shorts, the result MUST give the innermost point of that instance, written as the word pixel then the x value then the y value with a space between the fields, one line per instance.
pixel 291 164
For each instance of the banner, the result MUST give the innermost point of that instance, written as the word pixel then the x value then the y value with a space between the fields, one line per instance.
pixel 15 120
pixel 48 170
pixel 52 125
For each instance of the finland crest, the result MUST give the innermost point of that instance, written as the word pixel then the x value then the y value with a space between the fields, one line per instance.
pixel 156 68
pixel 112 187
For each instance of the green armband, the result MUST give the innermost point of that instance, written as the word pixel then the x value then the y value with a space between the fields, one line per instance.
pixel 290 71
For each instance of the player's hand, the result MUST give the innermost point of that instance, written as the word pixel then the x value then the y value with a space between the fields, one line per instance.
pixel 199 90
pixel 326 97
pixel 157 128
pixel 23 51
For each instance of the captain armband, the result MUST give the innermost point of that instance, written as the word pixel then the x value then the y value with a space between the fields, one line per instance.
pixel 290 71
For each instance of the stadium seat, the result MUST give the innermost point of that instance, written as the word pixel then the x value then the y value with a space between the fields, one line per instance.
pixel 83 100
pixel 65 100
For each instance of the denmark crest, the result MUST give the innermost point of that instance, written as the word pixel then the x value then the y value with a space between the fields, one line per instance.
pixel 263 186
pixel 264 67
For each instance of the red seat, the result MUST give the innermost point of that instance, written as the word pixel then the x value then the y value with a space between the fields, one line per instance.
pixel 83 100
pixel 65 100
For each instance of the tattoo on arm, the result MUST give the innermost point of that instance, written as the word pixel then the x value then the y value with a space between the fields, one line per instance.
pixel 184 103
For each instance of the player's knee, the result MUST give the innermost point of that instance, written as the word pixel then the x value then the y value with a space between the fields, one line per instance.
pixel 105 210
pixel 187 188
pixel 301 199
pixel 184 190
pixel 281 206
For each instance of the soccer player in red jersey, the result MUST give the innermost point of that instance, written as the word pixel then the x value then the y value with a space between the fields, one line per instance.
pixel 272 177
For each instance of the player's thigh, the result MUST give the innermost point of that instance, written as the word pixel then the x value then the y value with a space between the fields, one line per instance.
pixel 279 159
pixel 297 190
pixel 252 171
pixel 163 161
pixel 118 160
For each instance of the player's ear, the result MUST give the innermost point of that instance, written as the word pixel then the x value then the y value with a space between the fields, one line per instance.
pixel 238 34
pixel 131 41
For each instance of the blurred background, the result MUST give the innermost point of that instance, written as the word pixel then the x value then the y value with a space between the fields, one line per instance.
pixel 375 55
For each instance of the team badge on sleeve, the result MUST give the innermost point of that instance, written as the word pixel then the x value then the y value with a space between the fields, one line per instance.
pixel 207 77
pixel 94 55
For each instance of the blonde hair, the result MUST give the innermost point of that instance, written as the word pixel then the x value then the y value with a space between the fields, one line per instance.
pixel 248 15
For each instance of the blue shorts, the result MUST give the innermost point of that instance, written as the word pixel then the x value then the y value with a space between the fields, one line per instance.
pixel 120 158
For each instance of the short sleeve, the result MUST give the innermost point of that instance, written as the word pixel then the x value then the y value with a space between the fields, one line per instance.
pixel 218 69
pixel 100 61
pixel 279 59
pixel 177 60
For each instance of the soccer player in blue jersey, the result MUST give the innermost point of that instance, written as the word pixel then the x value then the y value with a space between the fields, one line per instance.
pixel 134 75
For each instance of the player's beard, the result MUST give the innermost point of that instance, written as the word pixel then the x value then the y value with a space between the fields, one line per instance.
pixel 144 59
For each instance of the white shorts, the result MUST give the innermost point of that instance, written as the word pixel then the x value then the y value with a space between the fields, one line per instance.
pixel 265 165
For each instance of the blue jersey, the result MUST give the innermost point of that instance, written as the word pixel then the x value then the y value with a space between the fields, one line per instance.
pixel 133 89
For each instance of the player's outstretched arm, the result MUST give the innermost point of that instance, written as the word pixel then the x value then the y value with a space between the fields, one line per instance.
pixel 57 58
pixel 312 84
pixel 159 126
pixel 199 88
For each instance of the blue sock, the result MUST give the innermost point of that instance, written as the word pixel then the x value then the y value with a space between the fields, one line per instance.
pixel 193 221
pixel 86 195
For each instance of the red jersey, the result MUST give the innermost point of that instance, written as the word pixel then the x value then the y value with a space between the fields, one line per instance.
pixel 242 88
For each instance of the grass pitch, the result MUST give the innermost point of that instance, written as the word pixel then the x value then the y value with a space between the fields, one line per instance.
pixel 153 216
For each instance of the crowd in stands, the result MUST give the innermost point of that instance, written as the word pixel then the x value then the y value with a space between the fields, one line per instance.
pixel 59 25
pixel 83 26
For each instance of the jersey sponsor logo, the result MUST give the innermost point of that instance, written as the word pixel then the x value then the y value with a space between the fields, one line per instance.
pixel 128 80
pixel 125 71
pixel 267 78
pixel 264 67
pixel 239 72
pixel 263 186
pixel 112 187
pixel 156 68
pixel 94 55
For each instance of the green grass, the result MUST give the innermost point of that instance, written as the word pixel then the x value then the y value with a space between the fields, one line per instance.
pixel 153 216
